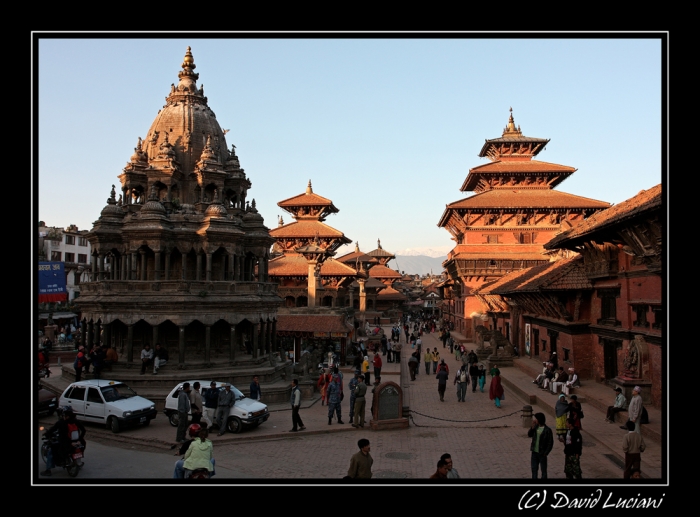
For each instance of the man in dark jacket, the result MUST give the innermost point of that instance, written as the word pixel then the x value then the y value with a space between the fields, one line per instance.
pixel 442 376
pixel 541 446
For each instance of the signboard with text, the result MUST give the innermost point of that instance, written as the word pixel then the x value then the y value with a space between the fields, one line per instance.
pixel 52 282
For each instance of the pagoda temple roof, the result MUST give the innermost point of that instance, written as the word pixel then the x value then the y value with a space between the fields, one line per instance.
pixel 308 198
pixel 517 167
pixel 525 198
pixel 308 228
pixel 562 274
pixel 380 252
pixel 357 255
pixel 380 271
pixel 643 201
pixel 389 293
pixel 293 264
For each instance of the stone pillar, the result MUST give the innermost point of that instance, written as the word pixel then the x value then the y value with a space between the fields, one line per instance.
pixel 181 345
pixel 254 339
pixel 154 329
pixel 207 343
pixel 275 343
pixel 268 328
pixel 125 267
pixel 90 332
pixel 129 343
pixel 107 336
pixel 363 296
pixel 311 283
pixel 167 265
pixel 93 268
pixel 97 334
pixel 231 270
pixel 83 332
pixel 233 343
pixel 143 265
pixel 198 276
pixel 261 337
pixel 157 268
pixel 133 264
pixel 101 267
pixel 183 274
pixel 208 266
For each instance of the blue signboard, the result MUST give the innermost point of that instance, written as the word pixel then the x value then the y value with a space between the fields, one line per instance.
pixel 52 282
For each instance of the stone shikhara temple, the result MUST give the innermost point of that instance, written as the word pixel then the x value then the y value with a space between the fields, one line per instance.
pixel 181 256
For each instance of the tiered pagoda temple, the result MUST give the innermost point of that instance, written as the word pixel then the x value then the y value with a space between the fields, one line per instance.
pixel 180 258
pixel 504 225
pixel 304 269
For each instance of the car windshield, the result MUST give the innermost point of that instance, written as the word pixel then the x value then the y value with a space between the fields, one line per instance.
pixel 117 392
pixel 236 393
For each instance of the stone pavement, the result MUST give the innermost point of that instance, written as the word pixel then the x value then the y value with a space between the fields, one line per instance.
pixel 485 442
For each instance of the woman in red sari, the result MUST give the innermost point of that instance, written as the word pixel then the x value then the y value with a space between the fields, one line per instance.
pixel 496 389
pixel 575 411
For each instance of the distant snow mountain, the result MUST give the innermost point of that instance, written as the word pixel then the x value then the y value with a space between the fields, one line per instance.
pixel 439 251
pixel 417 264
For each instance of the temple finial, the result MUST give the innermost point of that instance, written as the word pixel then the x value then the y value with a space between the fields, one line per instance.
pixel 379 244
pixel 188 62
pixel 309 190
pixel 357 247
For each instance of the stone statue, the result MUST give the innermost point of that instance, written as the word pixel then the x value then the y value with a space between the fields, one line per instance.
pixel 631 362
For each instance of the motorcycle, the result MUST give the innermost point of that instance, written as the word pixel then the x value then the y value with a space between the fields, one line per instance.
pixel 71 460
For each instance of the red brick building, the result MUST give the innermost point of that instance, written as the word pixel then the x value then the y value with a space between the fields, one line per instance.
pixel 503 227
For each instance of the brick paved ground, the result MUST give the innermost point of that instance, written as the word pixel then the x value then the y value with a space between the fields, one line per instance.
pixel 486 443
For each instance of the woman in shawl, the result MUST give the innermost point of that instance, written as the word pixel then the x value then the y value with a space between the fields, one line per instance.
pixel 575 411
pixel 322 385
pixel 496 389
pixel 482 377
pixel 561 410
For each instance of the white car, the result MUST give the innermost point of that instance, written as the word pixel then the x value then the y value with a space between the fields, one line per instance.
pixel 245 413
pixel 112 403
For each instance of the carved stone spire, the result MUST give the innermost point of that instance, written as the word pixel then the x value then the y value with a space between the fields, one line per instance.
pixel 357 246
pixel 379 244
pixel 309 190
pixel 510 129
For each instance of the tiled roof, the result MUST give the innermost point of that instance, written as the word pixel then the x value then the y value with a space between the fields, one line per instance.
pixel 527 166
pixel 355 255
pixel 307 228
pixel 380 271
pixel 390 294
pixel 562 274
pixel 311 323
pixel 526 198
pixel 373 283
pixel 306 200
pixel 295 265
pixel 646 200
pixel 500 255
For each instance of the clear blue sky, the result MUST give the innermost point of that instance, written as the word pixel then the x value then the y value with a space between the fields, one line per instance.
pixel 386 128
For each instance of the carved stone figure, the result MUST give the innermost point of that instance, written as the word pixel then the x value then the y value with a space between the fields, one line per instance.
pixel 631 362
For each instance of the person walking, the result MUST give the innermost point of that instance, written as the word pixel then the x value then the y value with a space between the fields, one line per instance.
pixel 427 359
pixel 377 363
pixel 223 407
pixel 474 375
pixel 496 392
pixel 255 391
pixel 211 401
pixel 396 349
pixel 482 377
pixel 360 391
pixel 442 375
pixel 435 357
pixel 633 446
pixel 295 400
pixel 79 363
pixel 365 369
pixel 572 451
pixel 575 411
pixel 334 392
pixel 183 409
pixel 541 445
pixel 561 411
pixel 619 405
pixel 461 381
pixel 634 412
pixel 361 462
pixel 351 387
pixel 196 403
pixel 413 363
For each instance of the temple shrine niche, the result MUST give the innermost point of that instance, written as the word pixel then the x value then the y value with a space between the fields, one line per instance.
pixel 183 259
pixel 502 227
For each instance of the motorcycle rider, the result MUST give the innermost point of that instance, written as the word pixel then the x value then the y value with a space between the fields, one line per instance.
pixel 193 431
pixel 63 447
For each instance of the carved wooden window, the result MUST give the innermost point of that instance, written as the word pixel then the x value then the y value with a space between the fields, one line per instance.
pixel 658 317
pixel 492 239
pixel 525 238
pixel 608 306
pixel 641 313
pixel 70 239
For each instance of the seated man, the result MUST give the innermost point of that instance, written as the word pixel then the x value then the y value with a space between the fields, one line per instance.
pixel 619 405
pixel 146 358
pixel 160 357
pixel 540 378
pixel 573 381
pixel 549 375
pixel 111 356
pixel 561 379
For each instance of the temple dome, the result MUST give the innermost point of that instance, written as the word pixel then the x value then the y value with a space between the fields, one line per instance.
pixel 188 122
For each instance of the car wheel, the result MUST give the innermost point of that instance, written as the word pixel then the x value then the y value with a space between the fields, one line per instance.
pixel 174 419
pixel 113 424
pixel 235 425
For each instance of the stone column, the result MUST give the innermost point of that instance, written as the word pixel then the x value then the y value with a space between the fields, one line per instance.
pixel 181 345
pixel 233 343
pixel 143 265
pixel 130 344
pixel 154 329
pixel 207 343
pixel 101 272
pixel 83 332
pixel 208 266
pixel 231 270
pixel 254 340
pixel 363 295
pixel 275 343
pixel 157 268
pixel 90 332
pixel 124 267
pixel 107 337
pixel 133 264
pixel 183 274
pixel 198 276
pixel 261 337
pixel 167 265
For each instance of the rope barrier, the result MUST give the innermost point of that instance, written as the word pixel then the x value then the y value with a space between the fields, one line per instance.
pixel 457 421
